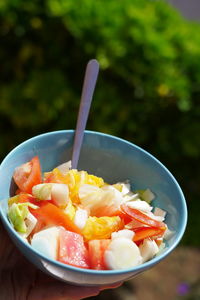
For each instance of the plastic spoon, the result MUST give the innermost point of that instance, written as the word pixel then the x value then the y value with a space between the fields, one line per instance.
pixel 89 83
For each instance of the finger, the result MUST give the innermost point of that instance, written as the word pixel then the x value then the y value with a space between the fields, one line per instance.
pixel 61 291
pixel 112 286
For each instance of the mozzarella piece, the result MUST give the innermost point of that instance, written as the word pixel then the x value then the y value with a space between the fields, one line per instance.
pixel 152 216
pixel 168 233
pixel 148 249
pixel 80 217
pixel 140 205
pixel 125 233
pixel 125 187
pixel 122 253
pixel 159 212
pixel 46 242
pixel 60 194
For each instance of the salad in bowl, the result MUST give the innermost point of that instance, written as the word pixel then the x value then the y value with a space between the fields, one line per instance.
pixel 119 214
pixel 81 220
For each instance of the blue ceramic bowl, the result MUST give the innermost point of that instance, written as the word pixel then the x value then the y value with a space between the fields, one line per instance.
pixel 113 159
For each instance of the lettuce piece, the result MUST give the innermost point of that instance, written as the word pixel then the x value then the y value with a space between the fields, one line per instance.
pixel 65 167
pixel 42 191
pixel 95 198
pixel 70 210
pixel 17 213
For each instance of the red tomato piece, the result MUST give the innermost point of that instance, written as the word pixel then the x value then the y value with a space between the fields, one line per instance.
pixel 146 232
pixel 54 176
pixel 126 218
pixel 141 217
pixel 96 250
pixel 18 191
pixel 28 175
pixel 26 198
pixel 72 249
pixel 29 198
pixel 134 224
pixel 50 214
pixel 106 211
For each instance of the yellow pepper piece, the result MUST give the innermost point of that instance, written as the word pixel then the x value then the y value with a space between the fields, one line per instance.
pixel 54 176
pixel 74 179
pixel 70 210
pixel 101 228
pixel 14 199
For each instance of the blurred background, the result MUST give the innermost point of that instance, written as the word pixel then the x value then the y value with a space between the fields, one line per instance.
pixel 148 92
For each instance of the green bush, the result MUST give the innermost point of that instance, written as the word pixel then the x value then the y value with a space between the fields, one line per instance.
pixel 148 88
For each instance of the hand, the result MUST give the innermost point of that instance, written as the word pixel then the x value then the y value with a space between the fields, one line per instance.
pixel 20 280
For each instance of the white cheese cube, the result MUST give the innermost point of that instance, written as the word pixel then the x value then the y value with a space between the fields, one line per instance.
pixel 80 217
pixel 148 249
pixel 46 242
pixel 140 205
pixel 122 253
pixel 60 194
pixel 125 233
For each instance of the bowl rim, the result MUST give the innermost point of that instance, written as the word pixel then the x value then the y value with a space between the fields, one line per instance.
pixel 137 269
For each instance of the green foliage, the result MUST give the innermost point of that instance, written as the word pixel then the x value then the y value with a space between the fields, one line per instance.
pixel 148 89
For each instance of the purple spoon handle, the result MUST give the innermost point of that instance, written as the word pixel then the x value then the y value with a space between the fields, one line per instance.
pixel 89 83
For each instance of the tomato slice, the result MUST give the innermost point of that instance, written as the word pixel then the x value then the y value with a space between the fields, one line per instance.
pixel 50 214
pixel 96 250
pixel 72 249
pixel 28 175
pixel 23 198
pixel 146 232
pixel 106 211
pixel 141 217
pixel 125 217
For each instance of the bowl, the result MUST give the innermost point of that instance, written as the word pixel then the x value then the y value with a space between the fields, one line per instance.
pixel 114 159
